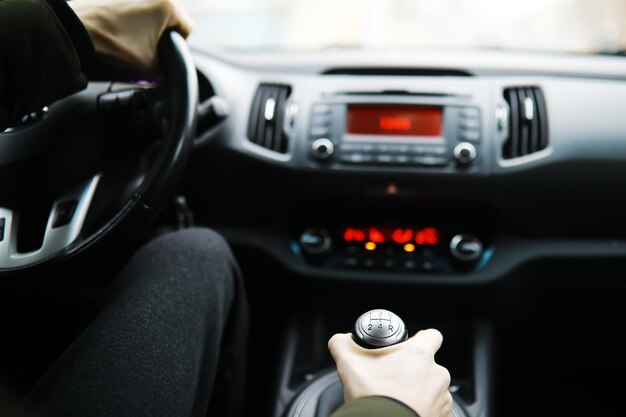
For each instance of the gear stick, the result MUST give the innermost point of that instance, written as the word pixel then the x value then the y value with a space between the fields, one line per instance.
pixel 379 328
pixel 373 330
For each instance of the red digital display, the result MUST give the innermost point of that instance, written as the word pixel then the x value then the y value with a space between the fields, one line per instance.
pixel 426 236
pixel 395 120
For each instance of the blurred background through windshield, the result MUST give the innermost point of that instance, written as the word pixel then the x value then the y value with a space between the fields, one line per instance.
pixel 581 26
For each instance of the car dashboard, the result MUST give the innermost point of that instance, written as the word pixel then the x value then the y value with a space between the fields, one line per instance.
pixel 523 162
pixel 475 192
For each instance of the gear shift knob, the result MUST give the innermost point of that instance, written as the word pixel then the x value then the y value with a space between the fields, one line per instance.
pixel 379 328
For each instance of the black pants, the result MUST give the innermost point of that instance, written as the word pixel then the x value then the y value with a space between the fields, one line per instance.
pixel 169 341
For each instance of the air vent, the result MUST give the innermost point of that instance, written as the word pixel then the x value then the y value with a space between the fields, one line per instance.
pixel 528 122
pixel 267 117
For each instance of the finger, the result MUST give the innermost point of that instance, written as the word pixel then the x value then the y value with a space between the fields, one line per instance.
pixel 181 20
pixel 339 344
pixel 427 341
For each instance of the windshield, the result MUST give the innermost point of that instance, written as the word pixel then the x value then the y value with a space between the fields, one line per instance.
pixel 580 26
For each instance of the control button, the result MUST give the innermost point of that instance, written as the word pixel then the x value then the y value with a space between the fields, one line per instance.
pixel 472 135
pixel 470 112
pixel 321 109
pixel 367 147
pixel 384 159
pixel 435 150
pixel 430 160
pixel 418 150
pixel 389 263
pixel 319 131
pixel 348 147
pixel 355 158
pixel 401 159
pixel 315 241
pixel 322 148
pixel 321 120
pixel 466 247
pixel 399 149
pixel 383 148
pixel 357 147
pixel 465 153
pixel 350 261
pixel 428 265
pixel 63 213
pixel 470 123
pixel 369 263
pixel 116 99
pixel 2 223
pixel 409 265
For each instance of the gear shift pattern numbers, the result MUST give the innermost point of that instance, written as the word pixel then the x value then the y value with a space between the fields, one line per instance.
pixel 379 328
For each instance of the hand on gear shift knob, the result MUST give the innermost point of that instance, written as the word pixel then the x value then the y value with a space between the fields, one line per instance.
pixel 379 328
pixel 406 372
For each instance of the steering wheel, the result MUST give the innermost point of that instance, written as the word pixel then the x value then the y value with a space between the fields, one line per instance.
pixel 60 159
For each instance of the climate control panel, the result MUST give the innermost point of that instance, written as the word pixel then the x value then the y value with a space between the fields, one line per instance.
pixel 393 249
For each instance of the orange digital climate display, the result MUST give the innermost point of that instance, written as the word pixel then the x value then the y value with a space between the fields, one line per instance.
pixel 395 120
pixel 408 238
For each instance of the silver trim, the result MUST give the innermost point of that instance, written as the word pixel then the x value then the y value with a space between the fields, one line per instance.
pixel 55 239
pixel 465 160
pixel 387 328
pixel 454 243
pixel 326 241
pixel 291 113
pixel 529 108
pixel 322 142
pixel 270 106
pixel 501 117
pixel 28 119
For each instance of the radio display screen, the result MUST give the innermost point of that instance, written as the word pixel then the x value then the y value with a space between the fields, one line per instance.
pixel 382 120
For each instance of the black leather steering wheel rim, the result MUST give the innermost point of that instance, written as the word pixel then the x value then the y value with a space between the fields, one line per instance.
pixel 180 86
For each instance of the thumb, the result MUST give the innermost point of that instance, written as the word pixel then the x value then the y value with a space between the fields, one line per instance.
pixel 339 344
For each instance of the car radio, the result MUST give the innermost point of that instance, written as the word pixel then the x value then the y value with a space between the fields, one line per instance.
pixel 395 134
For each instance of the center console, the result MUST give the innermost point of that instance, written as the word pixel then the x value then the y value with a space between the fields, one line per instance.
pixel 308 383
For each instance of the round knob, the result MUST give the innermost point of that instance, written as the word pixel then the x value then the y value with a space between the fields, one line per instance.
pixel 322 148
pixel 465 153
pixel 315 241
pixel 466 247
pixel 379 328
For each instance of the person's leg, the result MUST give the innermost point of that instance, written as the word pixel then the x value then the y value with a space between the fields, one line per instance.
pixel 154 348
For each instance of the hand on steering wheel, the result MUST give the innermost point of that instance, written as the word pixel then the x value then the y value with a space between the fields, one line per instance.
pixel 61 157
pixel 126 33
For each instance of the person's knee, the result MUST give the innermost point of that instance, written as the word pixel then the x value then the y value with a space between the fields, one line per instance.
pixel 197 259
pixel 201 244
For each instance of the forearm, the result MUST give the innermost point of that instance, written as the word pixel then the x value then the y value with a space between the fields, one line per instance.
pixel 39 59
pixel 374 406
